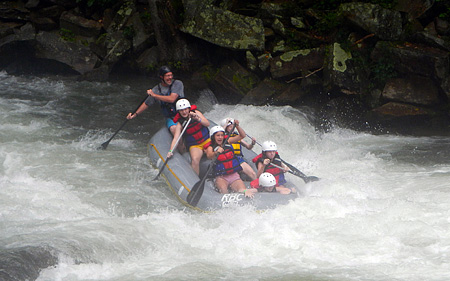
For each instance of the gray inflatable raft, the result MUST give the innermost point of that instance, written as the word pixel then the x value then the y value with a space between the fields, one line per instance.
pixel 181 178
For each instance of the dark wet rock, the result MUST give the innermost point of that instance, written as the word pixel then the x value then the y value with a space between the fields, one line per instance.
pixel 385 24
pixel 299 63
pixel 79 25
pixel 263 92
pixel 25 263
pixel 413 90
pixel 222 27
pixel 77 56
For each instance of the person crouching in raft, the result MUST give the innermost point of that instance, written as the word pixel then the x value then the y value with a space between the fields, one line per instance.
pixel 267 183
pixel 227 166
pixel 263 163
pixel 196 136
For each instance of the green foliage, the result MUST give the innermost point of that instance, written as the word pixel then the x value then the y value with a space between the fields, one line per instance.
pixel 129 32
pixel 151 68
pixel 387 4
pixel 146 17
pixel 445 14
pixel 175 64
pixel 210 73
pixel 334 4
pixel 100 4
pixel 328 4
pixel 328 22
pixel 382 70
pixel 67 35
pixel 245 83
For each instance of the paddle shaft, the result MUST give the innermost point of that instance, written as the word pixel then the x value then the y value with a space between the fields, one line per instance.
pixel 252 139
pixel 174 147
pixel 293 170
pixel 105 144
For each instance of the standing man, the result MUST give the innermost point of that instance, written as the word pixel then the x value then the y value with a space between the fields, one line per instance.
pixel 166 93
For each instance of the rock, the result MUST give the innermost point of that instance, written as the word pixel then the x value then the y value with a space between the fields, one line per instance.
pixel 412 90
pixel 414 8
pixel 290 95
pixel 342 72
pixel 386 24
pixel 409 59
pixel 80 25
pixel 76 56
pixel 298 63
pixel 232 82
pixel 148 59
pixel 264 61
pixel 442 26
pixel 395 109
pixel 263 92
pixel 46 24
pixel 12 11
pixel 252 62
pixel 222 27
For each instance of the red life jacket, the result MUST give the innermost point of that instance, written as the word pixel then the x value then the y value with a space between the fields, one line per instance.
pixel 276 172
pixel 195 133
pixel 226 162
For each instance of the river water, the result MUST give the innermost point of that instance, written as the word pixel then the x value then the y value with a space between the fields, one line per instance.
pixel 69 211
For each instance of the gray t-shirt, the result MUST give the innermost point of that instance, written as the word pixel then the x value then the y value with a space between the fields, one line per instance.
pixel 177 87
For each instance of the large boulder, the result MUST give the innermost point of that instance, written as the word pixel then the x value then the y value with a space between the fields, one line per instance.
pixel 342 73
pixel 385 24
pixel 409 58
pixel 413 90
pixel 221 27
pixel 79 25
pixel 300 62
pixel 232 82
pixel 77 56
pixel 264 92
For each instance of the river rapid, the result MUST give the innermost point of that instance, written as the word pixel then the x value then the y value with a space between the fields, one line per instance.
pixel 69 211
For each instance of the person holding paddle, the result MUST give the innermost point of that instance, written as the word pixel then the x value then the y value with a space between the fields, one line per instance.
pixel 166 93
pixel 227 124
pixel 264 163
pixel 196 135
pixel 226 165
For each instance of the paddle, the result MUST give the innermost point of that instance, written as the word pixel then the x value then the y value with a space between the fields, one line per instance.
pixel 293 170
pixel 105 144
pixel 197 190
pixel 300 174
pixel 297 173
pixel 175 146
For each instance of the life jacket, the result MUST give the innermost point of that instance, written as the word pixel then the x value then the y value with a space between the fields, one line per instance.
pixel 168 109
pixel 276 172
pixel 236 146
pixel 226 162
pixel 195 133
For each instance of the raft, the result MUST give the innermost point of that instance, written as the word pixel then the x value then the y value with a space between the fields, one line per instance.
pixel 180 178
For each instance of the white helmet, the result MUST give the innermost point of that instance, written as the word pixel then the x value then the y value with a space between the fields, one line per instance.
pixel 226 122
pixel 215 129
pixel 182 104
pixel 267 180
pixel 269 146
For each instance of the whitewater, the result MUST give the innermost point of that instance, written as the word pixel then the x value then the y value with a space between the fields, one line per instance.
pixel 71 211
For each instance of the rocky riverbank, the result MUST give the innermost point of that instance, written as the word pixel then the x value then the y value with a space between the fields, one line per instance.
pixel 381 66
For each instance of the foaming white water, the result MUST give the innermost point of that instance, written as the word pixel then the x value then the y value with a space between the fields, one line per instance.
pixel 379 211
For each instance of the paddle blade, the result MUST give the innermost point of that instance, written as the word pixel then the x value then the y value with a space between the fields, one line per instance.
pixel 104 145
pixel 196 193
pixel 162 168
pixel 311 179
